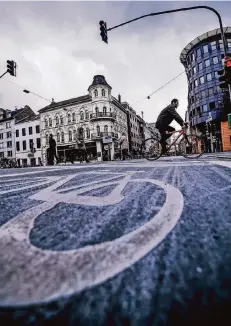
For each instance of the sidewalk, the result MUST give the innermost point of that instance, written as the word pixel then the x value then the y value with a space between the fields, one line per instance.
pixel 222 155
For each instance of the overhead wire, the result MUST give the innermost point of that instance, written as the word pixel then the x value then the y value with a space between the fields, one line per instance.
pixel 157 90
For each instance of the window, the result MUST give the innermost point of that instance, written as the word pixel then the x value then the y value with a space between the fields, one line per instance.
pixel 1 145
pixel 9 153
pixel 46 123
pixel 17 146
pixel 205 108
pixel 58 137
pixel 193 56
pixel 212 105
pixel 37 129
pixel 106 129
pixel 31 143
pixel 87 115
pixel 104 111
pixel 194 70
pixel 216 74
pixel 61 120
pixel 96 111
pixel 214 45
pixel 207 63
pixel 62 137
pixel 38 142
pixel 98 130
pixel 202 80
pixel 209 77
pixel 73 117
pixel 221 44
pixel 103 92
pixel 9 144
pixel 218 89
pixel 229 43
pixel 24 145
pixel 70 135
pixel 74 134
pixel 1 136
pixel 69 117
pixel 88 132
pixel 198 52
pixel 203 94
pixel 57 121
pixel 23 131
pixel 196 82
pixel 81 115
pixel 215 60
pixel 1 154
pixel 30 131
pixel 200 66
pixel 210 90
pixel 197 96
pixel 8 125
pixel 8 134
pixel 95 92
pixel 205 48
pixel 50 122
pixel 17 133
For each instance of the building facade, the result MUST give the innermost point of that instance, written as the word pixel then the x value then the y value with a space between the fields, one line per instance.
pixel 134 134
pixel 98 114
pixel 28 142
pixel 8 119
pixel 202 59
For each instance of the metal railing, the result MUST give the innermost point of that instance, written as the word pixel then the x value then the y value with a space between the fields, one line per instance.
pixel 102 115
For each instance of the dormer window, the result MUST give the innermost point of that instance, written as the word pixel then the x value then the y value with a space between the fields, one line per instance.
pixel 103 92
pixel 96 93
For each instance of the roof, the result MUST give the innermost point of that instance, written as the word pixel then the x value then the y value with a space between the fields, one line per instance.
pixel 99 80
pixel 13 115
pixel 57 105
pixel 28 119
pixel 201 38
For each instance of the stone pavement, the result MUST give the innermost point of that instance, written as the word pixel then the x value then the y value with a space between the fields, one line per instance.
pixel 117 243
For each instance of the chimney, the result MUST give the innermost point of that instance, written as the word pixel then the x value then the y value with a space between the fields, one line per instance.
pixel 119 98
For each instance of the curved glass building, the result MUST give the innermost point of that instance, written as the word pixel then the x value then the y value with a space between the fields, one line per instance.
pixel 202 58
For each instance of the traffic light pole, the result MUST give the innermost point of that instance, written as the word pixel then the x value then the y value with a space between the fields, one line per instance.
pixel 178 10
pixel 4 74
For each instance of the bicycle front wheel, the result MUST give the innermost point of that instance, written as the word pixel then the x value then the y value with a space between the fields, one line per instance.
pixel 191 146
pixel 152 149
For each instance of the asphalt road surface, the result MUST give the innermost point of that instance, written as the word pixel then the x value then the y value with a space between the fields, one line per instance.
pixel 117 243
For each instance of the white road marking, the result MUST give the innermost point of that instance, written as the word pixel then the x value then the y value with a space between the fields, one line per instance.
pixel 226 164
pixel 30 274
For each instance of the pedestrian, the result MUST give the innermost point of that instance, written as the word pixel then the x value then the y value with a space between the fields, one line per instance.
pixel 123 142
pixel 52 151
pixel 83 151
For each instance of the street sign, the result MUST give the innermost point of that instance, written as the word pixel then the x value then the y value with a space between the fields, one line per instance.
pixel 107 139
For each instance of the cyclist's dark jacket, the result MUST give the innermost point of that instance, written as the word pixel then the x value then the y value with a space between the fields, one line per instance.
pixel 166 116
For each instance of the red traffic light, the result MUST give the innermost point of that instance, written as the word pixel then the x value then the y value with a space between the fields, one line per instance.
pixel 228 62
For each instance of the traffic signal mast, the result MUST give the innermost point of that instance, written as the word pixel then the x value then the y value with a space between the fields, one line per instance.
pixel 225 73
pixel 103 31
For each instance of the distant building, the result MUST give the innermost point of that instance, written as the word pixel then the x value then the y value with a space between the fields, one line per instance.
pixel 97 114
pixel 28 142
pixel 8 120
pixel 202 59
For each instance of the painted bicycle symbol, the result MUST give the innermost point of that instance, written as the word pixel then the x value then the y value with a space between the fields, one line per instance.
pixel 32 275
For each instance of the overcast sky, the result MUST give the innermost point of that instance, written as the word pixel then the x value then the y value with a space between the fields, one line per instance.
pixel 58 49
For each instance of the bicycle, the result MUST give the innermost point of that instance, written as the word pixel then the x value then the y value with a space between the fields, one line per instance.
pixel 190 144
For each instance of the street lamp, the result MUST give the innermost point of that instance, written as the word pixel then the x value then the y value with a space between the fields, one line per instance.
pixel 29 92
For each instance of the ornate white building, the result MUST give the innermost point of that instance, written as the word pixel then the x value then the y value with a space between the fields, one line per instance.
pixel 98 113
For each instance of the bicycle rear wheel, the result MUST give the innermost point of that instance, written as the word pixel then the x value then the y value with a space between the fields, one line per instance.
pixel 152 149
pixel 191 146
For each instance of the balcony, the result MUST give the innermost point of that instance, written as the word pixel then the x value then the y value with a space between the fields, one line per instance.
pixel 101 134
pixel 103 115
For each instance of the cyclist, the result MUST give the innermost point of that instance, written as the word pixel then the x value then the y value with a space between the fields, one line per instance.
pixel 166 116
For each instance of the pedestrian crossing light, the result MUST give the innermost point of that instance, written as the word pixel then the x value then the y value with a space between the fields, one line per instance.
pixel 11 67
pixel 103 31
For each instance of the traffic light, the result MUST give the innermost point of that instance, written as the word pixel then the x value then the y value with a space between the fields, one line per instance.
pixel 223 79
pixel 103 31
pixel 227 63
pixel 11 67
